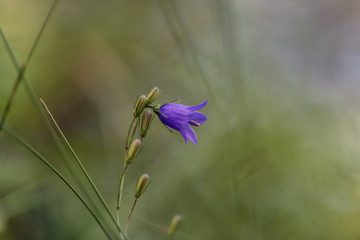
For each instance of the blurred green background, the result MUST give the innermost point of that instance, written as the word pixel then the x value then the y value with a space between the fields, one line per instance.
pixel 278 157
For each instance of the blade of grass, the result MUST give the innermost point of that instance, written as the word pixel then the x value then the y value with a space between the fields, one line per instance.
pixel 37 39
pixel 12 96
pixel 23 142
pixel 33 99
pixel 84 170
pixel 21 71
pixel 35 102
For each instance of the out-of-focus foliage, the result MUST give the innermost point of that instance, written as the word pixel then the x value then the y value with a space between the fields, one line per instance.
pixel 277 159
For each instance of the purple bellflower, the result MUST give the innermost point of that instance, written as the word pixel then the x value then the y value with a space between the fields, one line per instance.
pixel 181 117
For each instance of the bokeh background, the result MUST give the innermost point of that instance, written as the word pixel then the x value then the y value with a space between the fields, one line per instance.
pixel 278 157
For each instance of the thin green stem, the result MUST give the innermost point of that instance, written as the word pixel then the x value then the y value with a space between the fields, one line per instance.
pixel 128 220
pixel 21 71
pixel 122 176
pixel 40 157
pixel 128 134
pixel 120 186
pixel 33 98
pixel 8 49
pixel 83 170
pixel 37 39
pixel 170 236
pixel 120 191
pixel 11 97
pixel 134 130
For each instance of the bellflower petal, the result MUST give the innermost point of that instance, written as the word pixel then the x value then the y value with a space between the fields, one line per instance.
pixel 188 133
pixel 169 123
pixel 181 117
pixel 199 117
pixel 198 107
pixel 175 111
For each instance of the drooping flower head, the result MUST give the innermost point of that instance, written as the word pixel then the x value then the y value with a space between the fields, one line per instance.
pixel 181 117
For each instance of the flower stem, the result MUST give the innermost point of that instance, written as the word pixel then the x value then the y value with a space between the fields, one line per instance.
pixel 128 134
pixel 134 130
pixel 121 182
pixel 122 176
pixel 128 220
pixel 119 194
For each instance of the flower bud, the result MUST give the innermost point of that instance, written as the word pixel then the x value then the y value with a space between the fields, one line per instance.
pixel 145 122
pixel 140 105
pixel 142 185
pixel 133 150
pixel 174 225
pixel 152 96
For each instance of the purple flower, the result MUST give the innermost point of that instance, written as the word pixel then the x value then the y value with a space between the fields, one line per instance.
pixel 181 118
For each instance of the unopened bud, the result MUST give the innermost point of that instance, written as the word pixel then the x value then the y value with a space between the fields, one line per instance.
pixel 142 185
pixel 152 96
pixel 133 150
pixel 140 105
pixel 174 225
pixel 145 122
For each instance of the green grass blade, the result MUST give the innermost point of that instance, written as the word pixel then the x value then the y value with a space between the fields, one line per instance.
pixel 34 99
pixel 9 50
pixel 11 97
pixel 41 158
pixel 43 26
pixel 21 71
pixel 84 171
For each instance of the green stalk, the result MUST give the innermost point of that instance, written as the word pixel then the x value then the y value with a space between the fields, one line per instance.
pixel 32 50
pixel 33 98
pixel 40 157
pixel 84 170
pixel 120 190
pixel 31 94
pixel 122 176
pixel 21 71
pixel 131 211
pixel 136 125
pixel 128 134
pixel 12 95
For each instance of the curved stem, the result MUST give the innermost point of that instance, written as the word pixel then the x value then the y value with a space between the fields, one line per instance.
pixel 134 131
pixel 128 134
pixel 120 187
pixel 128 220
pixel 120 190
pixel 33 98
pixel 39 156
